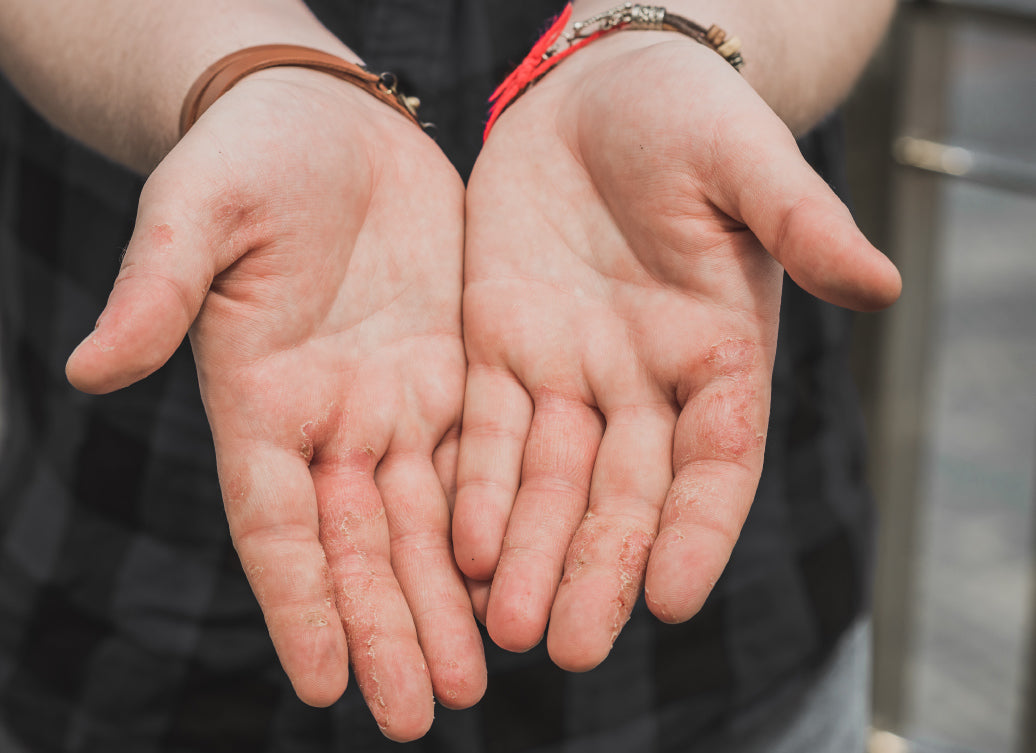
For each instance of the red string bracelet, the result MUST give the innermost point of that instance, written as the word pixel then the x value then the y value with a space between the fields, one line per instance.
pixel 554 46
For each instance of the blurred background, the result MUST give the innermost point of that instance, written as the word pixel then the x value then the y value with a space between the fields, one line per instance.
pixel 942 146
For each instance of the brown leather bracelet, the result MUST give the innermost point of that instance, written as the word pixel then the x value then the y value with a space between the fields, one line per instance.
pixel 219 77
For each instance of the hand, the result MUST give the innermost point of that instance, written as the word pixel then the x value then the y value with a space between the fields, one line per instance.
pixel 620 318
pixel 311 239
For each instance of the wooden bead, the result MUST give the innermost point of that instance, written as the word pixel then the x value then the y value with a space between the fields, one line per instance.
pixel 729 47
pixel 715 35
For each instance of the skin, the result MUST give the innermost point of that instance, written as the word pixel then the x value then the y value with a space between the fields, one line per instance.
pixel 623 270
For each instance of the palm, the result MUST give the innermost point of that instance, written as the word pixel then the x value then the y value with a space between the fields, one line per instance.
pixel 331 365
pixel 620 321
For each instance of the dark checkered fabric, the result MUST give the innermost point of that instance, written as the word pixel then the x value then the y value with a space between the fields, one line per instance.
pixel 126 624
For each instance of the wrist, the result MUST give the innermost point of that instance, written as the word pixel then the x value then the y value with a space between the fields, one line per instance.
pixel 568 93
pixel 231 69
pixel 566 37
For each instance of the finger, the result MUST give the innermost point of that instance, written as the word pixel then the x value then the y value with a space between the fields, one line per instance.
pixel 444 458
pixel 497 413
pixel 165 275
pixel 559 461
pixel 718 456
pixel 604 568
pixel 802 223
pixel 422 558
pixel 271 509
pixel 478 592
pixel 383 643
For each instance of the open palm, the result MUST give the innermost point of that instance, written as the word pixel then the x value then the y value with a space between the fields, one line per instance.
pixel 310 238
pixel 620 314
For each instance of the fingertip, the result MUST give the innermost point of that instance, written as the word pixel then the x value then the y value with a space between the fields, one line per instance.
pixel 86 370
pixel 78 371
pixel 886 288
pixel 463 683
pixel 679 579
pixel 478 536
pixel 475 567
pixel 827 255
pixel 512 626
pixel 410 728
pixel 574 657
pixel 321 690
pixel 313 654
pixel 398 690
pixel 407 710
pixel 670 610
pixel 133 338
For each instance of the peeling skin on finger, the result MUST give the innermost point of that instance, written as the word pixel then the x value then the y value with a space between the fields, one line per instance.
pixel 255 579
pixel 373 675
pixel 576 557
pixel 308 432
pixel 450 665
pixel 731 356
pixel 346 598
pixel 728 430
pixel 701 501
pixel 636 545
pixel 346 525
pixel 687 492
pixel 105 344
pixel 315 619
pixel 371 686
pixel 306 443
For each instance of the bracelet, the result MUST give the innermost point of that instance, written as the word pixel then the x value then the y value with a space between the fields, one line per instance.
pixel 219 77
pixel 554 46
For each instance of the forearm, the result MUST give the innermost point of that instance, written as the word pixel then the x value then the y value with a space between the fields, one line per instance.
pixel 801 56
pixel 114 74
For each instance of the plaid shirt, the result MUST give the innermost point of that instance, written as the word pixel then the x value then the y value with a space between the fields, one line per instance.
pixel 125 621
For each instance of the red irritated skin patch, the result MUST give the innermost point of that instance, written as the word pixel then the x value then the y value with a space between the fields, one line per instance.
pixel 726 419
pixel 161 235
pixel 732 356
pixel 718 452
pixel 727 425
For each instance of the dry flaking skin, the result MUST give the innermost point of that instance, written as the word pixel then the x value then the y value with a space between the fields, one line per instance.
pixel 636 546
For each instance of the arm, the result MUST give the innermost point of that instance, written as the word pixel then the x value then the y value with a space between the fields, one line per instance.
pixel 622 294
pixel 803 57
pixel 271 233
pixel 114 74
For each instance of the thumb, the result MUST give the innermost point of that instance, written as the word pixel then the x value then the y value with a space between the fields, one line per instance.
pixel 165 275
pixel 806 227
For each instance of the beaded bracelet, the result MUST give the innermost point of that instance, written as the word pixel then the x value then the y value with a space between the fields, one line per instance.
pixel 554 46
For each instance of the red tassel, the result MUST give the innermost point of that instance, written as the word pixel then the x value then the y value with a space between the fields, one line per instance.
pixel 526 72
pixel 534 67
